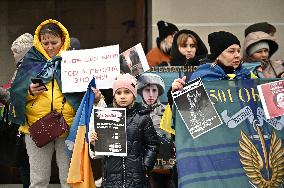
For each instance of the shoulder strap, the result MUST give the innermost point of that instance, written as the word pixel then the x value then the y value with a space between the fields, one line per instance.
pixel 52 92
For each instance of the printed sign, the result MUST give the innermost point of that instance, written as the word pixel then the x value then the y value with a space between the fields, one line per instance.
pixel 80 66
pixel 196 109
pixel 272 98
pixel 159 80
pixel 133 61
pixel 110 126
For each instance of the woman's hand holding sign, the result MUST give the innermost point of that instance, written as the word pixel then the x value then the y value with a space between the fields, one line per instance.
pixel 178 84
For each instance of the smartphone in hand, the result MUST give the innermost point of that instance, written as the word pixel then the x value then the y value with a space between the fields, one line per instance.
pixel 39 81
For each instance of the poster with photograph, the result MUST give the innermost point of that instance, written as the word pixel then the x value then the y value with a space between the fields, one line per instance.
pixel 150 87
pixel 110 126
pixel 196 108
pixel 133 61
pixel 272 98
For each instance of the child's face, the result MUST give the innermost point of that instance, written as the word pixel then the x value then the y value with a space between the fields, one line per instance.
pixel 123 97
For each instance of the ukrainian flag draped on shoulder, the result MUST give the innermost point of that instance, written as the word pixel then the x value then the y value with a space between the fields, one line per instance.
pixel 245 151
pixel 80 173
pixel 34 62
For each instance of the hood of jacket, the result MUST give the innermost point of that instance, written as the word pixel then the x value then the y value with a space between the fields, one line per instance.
pixel 258 36
pixel 180 60
pixel 37 43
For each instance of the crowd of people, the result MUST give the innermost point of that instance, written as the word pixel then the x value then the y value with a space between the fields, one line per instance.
pixel 38 56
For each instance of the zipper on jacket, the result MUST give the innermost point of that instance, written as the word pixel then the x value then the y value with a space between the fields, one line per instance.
pixel 124 172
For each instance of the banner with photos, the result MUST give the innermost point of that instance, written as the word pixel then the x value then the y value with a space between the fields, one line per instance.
pixel 272 98
pixel 246 150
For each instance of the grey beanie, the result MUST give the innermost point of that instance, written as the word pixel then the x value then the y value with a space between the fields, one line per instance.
pixel 21 46
pixel 257 46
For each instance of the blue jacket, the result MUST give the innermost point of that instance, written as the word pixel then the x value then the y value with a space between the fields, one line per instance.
pixel 207 72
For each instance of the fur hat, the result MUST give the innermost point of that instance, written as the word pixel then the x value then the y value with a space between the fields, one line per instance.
pixel 125 81
pixel 257 46
pixel 220 41
pixel 21 46
pixel 74 43
pixel 165 29
pixel 262 26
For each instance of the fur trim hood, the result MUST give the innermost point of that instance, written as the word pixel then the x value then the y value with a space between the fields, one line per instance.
pixel 258 36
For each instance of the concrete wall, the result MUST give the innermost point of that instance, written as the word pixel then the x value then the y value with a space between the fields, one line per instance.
pixel 204 17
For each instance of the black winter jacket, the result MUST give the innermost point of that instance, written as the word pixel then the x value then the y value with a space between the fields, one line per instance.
pixel 142 149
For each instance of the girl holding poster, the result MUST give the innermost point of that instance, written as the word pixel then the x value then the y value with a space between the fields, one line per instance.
pixel 142 140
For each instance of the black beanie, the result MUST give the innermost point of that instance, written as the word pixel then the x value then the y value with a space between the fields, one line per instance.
pixel 220 41
pixel 165 29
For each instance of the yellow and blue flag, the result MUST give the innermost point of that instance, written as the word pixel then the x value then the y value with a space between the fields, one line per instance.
pixel 80 173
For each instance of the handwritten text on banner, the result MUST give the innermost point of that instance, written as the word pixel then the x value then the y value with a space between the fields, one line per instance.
pixel 80 66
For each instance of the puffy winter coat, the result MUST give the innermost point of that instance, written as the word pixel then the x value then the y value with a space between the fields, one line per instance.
pixel 269 69
pixel 207 72
pixel 27 109
pixel 142 149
